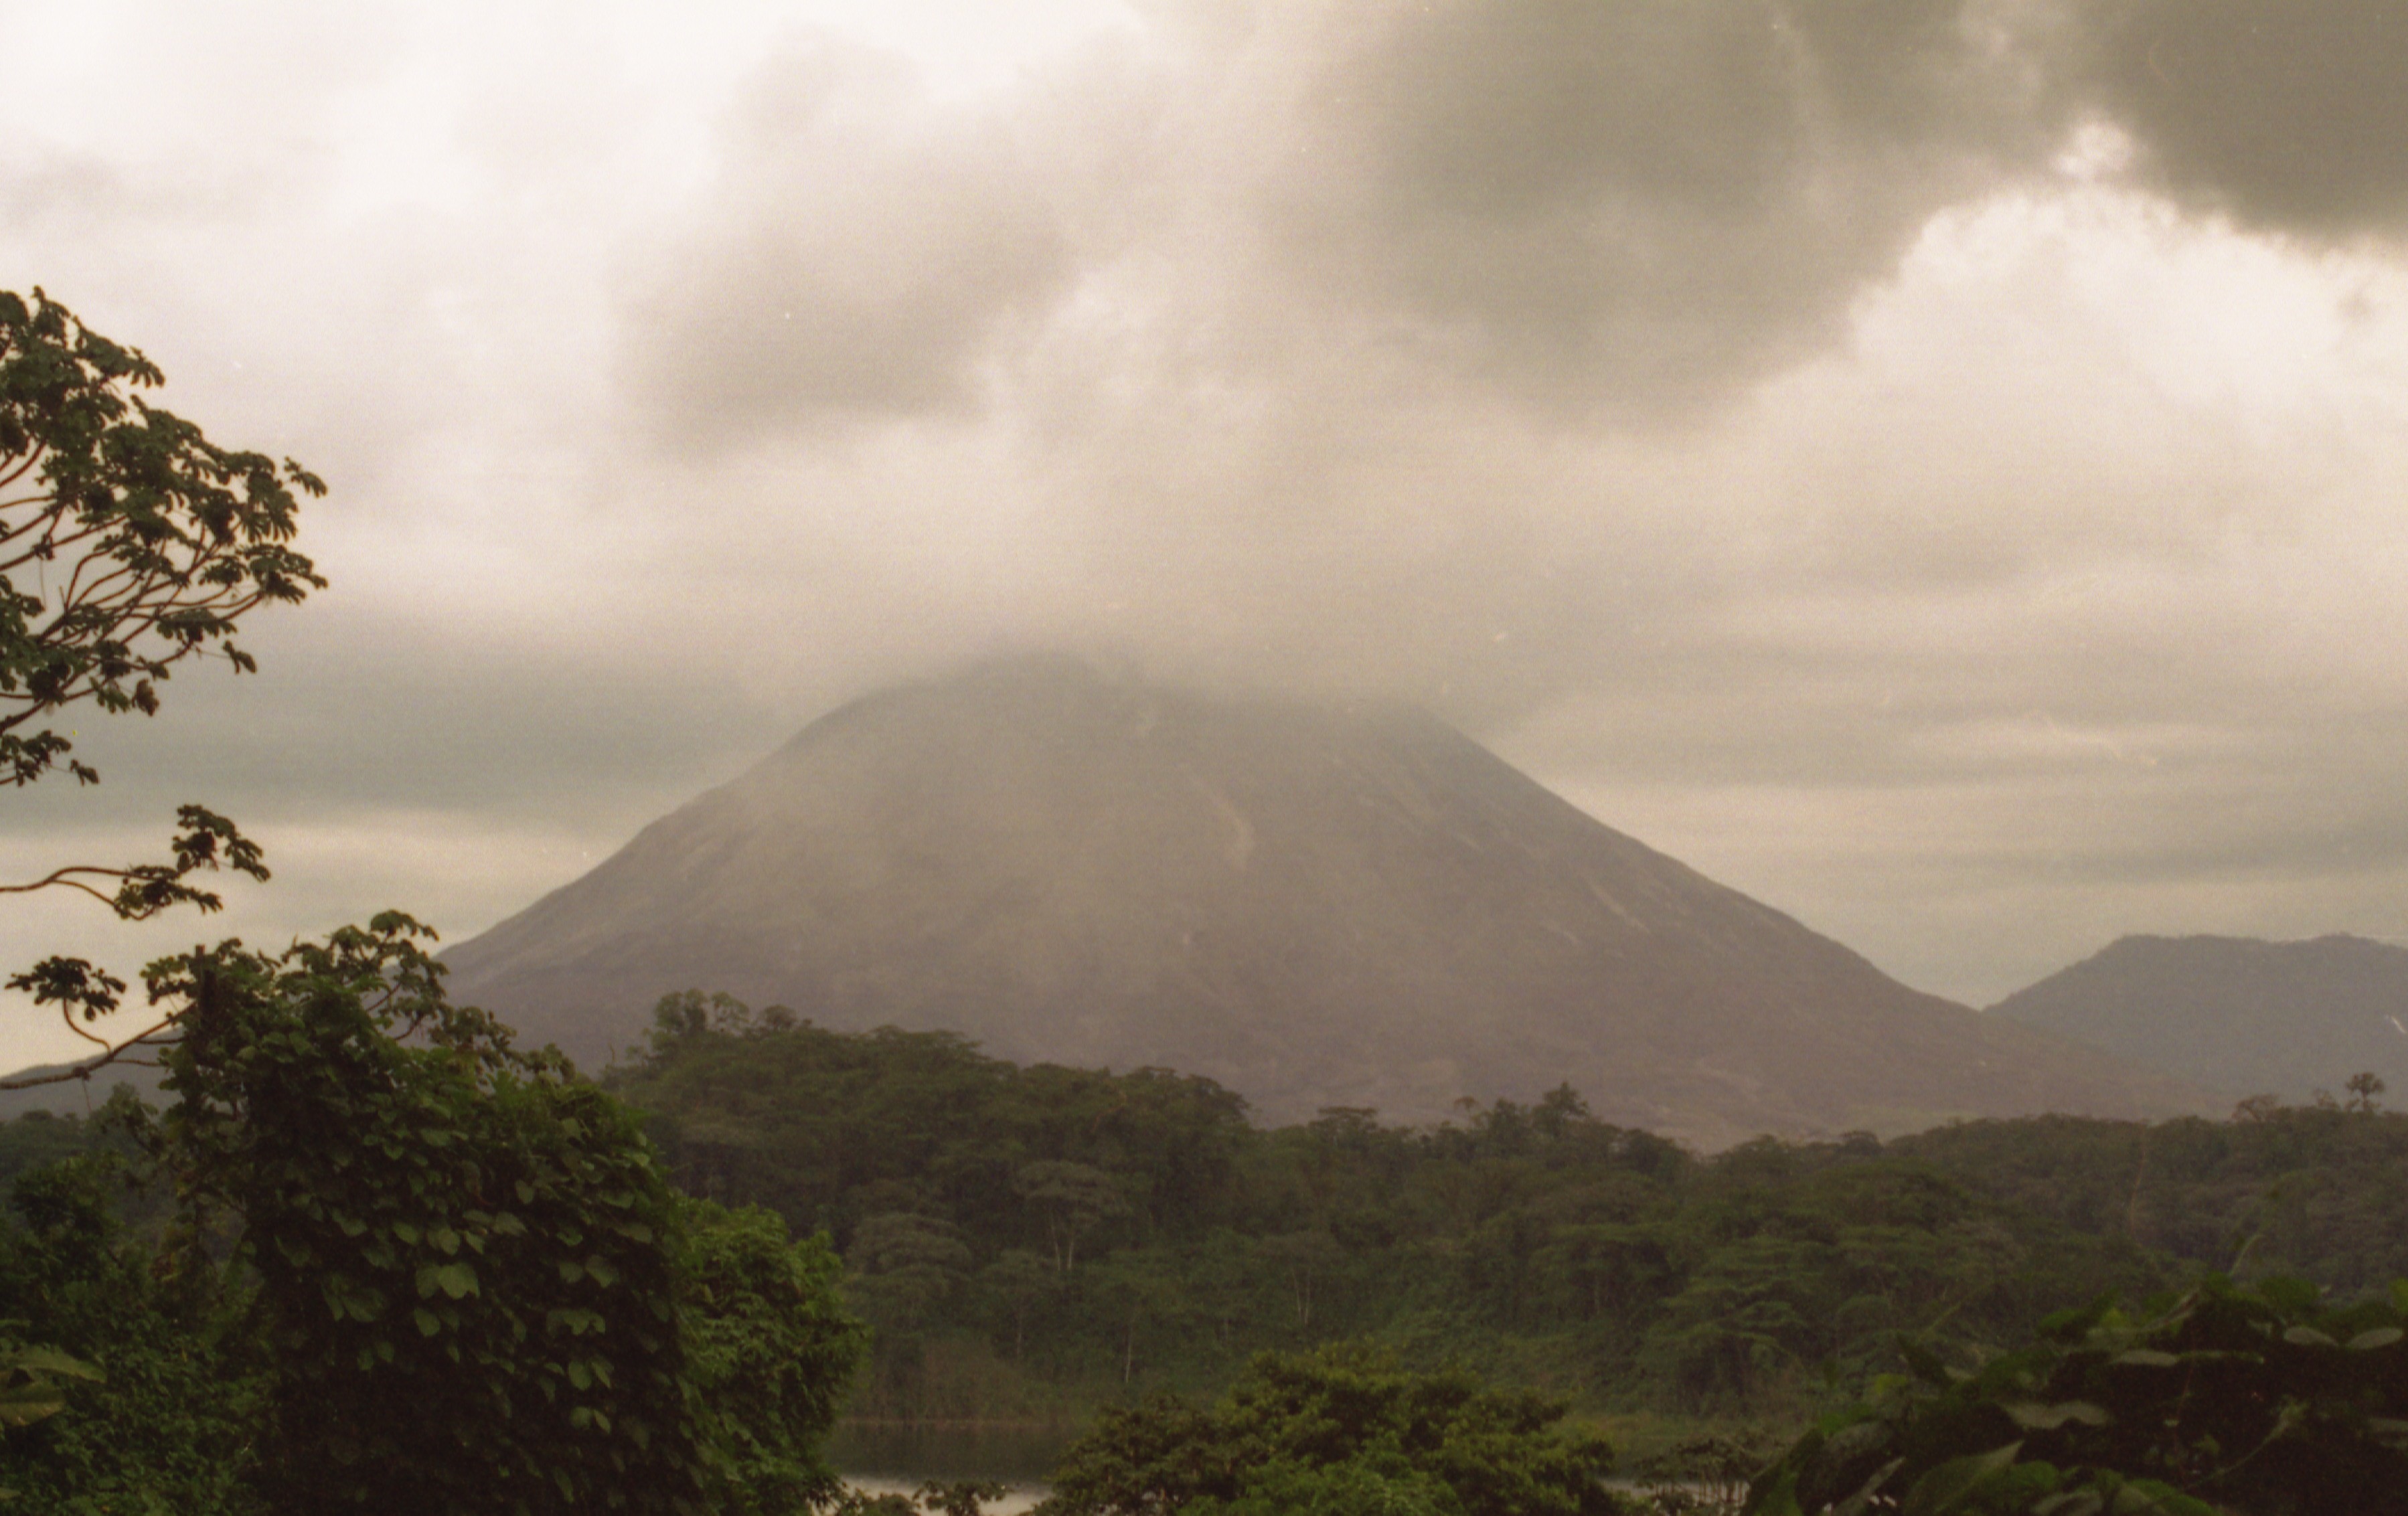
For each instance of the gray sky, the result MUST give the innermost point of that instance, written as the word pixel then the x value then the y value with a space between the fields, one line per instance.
pixel 1935 465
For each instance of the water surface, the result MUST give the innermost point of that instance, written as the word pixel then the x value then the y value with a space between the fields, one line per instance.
pixel 889 1455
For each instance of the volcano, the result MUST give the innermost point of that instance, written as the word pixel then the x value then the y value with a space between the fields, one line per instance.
pixel 1315 904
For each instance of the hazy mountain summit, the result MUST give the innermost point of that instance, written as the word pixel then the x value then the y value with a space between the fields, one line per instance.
pixel 1315 904
pixel 2237 1013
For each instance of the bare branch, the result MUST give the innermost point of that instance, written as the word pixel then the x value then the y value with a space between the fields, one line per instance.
pixel 120 1054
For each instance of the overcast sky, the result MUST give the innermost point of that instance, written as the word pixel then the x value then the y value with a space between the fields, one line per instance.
pixel 1938 465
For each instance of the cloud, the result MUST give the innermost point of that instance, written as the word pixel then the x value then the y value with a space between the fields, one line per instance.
pixel 1626 211
pixel 1617 214
pixel 1640 207
pixel 1493 353
pixel 858 252
pixel 2286 114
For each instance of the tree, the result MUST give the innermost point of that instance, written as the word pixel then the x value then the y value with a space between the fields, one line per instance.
pixel 467 1259
pixel 1304 1259
pixel 1074 1199
pixel 769 1354
pixel 452 1276
pixel 2258 1107
pixel 1342 1429
pixel 129 543
pixel 2365 1093
pixel 1019 1281
pixel 2266 1400
pixel 168 1426
pixel 905 1265
pixel 1136 1286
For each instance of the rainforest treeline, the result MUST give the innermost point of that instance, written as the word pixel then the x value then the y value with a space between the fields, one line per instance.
pixel 1030 1240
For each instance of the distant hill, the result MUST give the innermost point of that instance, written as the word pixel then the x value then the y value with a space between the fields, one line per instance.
pixel 2236 1013
pixel 1315 904
pixel 74 1097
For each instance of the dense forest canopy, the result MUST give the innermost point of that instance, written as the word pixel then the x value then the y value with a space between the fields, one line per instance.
pixel 1026 1238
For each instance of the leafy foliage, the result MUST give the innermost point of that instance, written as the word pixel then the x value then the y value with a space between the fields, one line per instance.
pixel 2319 1192
pixel 30 1389
pixel 934 1498
pixel 1345 1430
pixel 146 542
pixel 466 1258
pixel 769 1354
pixel 2266 1401
pixel 411 1269
pixel 129 542
pixel 162 1416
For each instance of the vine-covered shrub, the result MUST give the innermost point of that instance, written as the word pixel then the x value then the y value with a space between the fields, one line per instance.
pixel 2264 1401
pixel 477 1291
pixel 463 1254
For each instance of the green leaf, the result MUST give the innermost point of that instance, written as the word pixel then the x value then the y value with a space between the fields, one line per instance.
pixel 2307 1337
pixel 456 1279
pixel 51 1360
pixel 1861 1502
pixel 2147 1498
pixel 428 1323
pixel 2380 1336
pixel 1780 1498
pixel 22 1405
pixel 1949 1486
pixel 2035 1417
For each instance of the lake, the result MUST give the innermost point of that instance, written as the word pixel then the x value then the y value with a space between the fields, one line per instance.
pixel 885 1457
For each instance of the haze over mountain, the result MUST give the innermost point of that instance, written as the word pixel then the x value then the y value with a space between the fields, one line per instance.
pixel 1315 904
pixel 2236 1013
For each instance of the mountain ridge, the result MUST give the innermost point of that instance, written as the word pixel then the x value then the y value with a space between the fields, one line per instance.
pixel 2247 1014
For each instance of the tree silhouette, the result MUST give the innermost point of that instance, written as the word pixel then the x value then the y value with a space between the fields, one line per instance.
pixel 129 543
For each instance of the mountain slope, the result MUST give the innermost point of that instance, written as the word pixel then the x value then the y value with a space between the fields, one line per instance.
pixel 2236 1013
pixel 1315 905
